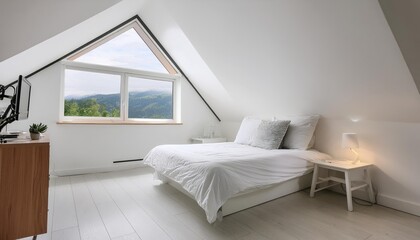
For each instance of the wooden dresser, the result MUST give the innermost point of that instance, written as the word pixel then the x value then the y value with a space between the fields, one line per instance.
pixel 24 178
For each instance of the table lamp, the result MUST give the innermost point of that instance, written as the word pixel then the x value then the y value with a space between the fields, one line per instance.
pixel 349 140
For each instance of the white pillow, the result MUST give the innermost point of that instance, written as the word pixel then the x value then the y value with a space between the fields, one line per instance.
pixel 300 132
pixel 270 134
pixel 312 142
pixel 247 130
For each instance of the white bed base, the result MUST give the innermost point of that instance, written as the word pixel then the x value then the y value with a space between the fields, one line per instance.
pixel 258 196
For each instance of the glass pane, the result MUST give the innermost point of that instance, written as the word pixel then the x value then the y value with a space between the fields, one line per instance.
pixel 150 99
pixel 127 50
pixel 90 94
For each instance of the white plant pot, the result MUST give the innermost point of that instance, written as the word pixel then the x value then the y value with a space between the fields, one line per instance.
pixel 35 136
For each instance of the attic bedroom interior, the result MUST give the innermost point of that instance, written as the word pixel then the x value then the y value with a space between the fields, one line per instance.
pixel 175 119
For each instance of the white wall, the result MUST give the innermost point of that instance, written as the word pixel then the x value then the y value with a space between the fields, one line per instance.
pixel 392 147
pixel 335 58
pixel 90 148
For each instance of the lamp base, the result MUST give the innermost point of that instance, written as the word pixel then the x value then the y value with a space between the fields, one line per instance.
pixel 356 158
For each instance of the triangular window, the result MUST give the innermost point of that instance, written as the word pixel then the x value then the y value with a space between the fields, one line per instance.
pixel 129 47
pixel 122 77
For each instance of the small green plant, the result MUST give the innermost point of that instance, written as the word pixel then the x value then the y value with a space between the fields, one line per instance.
pixel 37 128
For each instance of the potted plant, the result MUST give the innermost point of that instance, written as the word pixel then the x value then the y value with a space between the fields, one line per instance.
pixel 36 130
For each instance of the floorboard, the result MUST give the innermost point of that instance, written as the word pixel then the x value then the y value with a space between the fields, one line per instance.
pixel 130 205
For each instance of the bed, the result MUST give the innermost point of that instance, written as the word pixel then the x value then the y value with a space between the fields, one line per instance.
pixel 225 178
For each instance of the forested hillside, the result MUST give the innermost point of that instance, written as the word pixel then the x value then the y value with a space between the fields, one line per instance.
pixel 149 104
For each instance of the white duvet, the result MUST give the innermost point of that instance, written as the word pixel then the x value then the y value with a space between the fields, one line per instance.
pixel 213 173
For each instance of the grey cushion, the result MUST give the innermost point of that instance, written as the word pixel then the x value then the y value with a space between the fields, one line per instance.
pixel 270 134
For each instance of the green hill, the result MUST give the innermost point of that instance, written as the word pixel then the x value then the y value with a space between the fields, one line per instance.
pixel 149 104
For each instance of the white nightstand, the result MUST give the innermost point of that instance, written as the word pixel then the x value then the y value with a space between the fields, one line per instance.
pixel 208 140
pixel 346 167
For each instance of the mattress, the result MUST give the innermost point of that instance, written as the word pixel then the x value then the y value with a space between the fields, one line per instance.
pixel 212 173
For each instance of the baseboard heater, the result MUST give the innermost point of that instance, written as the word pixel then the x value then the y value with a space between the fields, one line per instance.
pixel 129 160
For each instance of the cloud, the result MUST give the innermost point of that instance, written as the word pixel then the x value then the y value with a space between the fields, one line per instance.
pixel 126 50
pixel 80 83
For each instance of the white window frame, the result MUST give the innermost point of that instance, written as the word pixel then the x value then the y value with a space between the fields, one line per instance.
pixel 143 35
pixel 173 76
pixel 124 73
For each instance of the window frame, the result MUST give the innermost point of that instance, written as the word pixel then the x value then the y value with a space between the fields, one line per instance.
pixel 68 66
pixel 143 35
pixel 124 74
pixel 173 76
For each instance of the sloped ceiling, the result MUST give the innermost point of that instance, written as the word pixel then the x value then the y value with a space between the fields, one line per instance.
pixel 157 16
pixel 404 19
pixel 24 24
pixel 335 58
pixel 72 32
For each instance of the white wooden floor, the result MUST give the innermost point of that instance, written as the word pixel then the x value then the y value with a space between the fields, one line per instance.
pixel 130 205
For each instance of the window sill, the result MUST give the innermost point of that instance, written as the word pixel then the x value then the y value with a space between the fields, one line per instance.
pixel 113 122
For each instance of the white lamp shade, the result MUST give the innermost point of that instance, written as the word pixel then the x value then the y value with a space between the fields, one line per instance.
pixel 349 140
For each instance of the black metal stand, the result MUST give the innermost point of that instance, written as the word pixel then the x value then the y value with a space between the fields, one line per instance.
pixel 5 118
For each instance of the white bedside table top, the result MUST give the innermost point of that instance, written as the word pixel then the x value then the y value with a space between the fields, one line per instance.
pixel 341 164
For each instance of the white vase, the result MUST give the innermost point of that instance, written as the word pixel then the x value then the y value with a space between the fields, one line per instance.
pixel 35 136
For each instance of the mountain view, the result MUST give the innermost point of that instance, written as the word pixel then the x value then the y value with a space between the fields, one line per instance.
pixel 148 104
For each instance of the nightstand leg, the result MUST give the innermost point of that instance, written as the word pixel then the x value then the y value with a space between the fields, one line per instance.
pixel 348 191
pixel 314 180
pixel 369 187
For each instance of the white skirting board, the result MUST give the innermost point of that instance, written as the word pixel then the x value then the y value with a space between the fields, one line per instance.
pixel 398 204
pixel 114 167
pixel 255 197
pixel 386 201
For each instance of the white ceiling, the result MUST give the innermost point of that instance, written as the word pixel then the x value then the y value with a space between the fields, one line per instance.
pixel 404 18
pixel 24 24
pixel 69 38
pixel 336 58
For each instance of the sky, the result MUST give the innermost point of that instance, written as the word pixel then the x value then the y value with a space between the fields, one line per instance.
pixel 126 50
pixel 81 83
